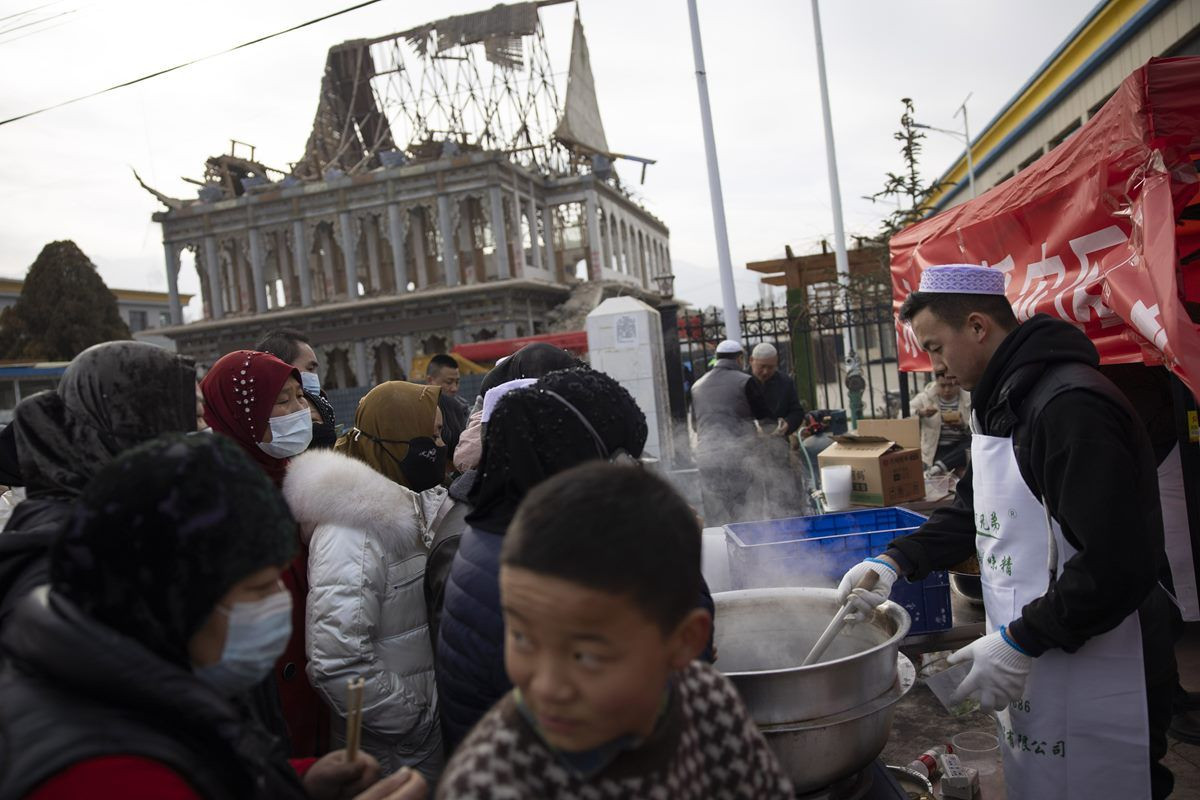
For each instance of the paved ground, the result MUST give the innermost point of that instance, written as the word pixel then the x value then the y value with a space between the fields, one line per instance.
pixel 921 723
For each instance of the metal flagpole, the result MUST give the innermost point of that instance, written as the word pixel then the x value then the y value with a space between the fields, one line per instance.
pixel 733 326
pixel 835 192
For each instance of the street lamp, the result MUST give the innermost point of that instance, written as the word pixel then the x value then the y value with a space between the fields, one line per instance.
pixel 666 285
pixel 963 136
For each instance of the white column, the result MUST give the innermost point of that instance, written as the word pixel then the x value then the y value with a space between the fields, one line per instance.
pixel 449 243
pixel 410 352
pixel 256 271
pixel 593 235
pixel 360 364
pixel 418 232
pixel 531 212
pixel 349 255
pixel 300 259
pixel 328 263
pixel 606 248
pixel 371 233
pixel 172 252
pixel 548 237
pixel 500 235
pixel 396 238
pixel 212 266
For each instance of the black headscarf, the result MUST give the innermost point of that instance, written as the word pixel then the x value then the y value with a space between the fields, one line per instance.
pixel 163 532
pixel 111 397
pixel 532 436
pixel 531 361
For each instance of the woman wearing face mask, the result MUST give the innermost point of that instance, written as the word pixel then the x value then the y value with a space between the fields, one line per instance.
pixel 111 397
pixel 256 400
pixel 365 511
pixel 164 606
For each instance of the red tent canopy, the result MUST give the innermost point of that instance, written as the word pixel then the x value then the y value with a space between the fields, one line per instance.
pixel 1098 232
pixel 494 349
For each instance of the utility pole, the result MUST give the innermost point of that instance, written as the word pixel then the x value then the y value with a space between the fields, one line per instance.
pixel 835 193
pixel 733 326
pixel 967 138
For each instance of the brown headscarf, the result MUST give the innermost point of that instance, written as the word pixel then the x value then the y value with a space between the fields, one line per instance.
pixel 391 412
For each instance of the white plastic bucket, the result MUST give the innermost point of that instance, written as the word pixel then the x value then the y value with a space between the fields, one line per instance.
pixel 835 480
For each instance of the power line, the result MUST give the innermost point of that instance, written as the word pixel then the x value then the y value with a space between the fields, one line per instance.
pixel 27 11
pixel 189 63
pixel 35 22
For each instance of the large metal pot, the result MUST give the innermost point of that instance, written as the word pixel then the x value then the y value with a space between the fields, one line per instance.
pixel 762 635
pixel 816 753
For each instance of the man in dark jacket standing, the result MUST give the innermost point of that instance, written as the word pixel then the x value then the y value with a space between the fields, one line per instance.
pixel 726 403
pixel 778 389
pixel 1061 507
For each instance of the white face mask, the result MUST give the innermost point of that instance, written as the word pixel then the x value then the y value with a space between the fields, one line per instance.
pixel 290 435
pixel 310 382
pixel 257 635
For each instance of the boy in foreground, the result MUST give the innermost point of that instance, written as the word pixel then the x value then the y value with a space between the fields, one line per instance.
pixel 599 576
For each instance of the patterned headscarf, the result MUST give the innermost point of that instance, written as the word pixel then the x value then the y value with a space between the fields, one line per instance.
pixel 163 532
pixel 111 397
pixel 239 392
pixel 532 435
pixel 392 412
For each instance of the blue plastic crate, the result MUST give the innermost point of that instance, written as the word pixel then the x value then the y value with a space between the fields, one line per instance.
pixel 805 551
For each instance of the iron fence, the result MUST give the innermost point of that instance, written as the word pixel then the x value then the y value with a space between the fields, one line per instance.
pixel 814 339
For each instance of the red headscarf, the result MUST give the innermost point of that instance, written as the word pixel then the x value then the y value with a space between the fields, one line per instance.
pixel 239 393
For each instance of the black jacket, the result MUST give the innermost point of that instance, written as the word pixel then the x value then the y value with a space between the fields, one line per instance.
pixel 73 690
pixel 25 548
pixel 1086 456
pixel 780 393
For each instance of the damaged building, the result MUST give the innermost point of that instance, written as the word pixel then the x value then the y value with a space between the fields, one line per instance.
pixel 445 196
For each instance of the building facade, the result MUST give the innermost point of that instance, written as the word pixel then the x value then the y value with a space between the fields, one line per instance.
pixel 381 252
pixel 1116 38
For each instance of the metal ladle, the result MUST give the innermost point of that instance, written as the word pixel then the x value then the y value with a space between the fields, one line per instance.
pixel 866 584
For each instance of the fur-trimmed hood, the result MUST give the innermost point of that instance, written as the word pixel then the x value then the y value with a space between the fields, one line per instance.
pixel 326 487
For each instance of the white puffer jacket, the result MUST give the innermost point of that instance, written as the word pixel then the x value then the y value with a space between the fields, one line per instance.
pixel 368 541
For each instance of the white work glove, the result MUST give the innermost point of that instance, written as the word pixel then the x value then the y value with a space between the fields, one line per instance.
pixel 998 671
pixel 872 597
pixel 780 429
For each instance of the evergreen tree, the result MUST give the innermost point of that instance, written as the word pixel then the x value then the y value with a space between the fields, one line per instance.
pixel 913 197
pixel 64 307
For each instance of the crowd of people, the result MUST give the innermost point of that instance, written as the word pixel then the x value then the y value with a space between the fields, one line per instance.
pixel 201 567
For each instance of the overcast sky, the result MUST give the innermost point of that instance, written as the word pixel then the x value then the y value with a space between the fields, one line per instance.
pixel 66 174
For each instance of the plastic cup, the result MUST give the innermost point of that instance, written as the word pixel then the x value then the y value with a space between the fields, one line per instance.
pixel 835 480
pixel 943 684
pixel 980 750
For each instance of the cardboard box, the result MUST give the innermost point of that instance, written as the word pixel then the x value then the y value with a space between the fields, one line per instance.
pixel 882 472
pixel 904 432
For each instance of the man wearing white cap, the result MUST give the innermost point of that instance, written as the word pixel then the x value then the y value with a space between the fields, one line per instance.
pixel 1060 505
pixel 725 403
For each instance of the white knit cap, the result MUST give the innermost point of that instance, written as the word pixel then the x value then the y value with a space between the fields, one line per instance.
pixel 962 279
pixel 492 398
pixel 729 346
pixel 764 350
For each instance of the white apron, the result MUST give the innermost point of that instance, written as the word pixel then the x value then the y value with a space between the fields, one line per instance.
pixel 1177 536
pixel 1080 730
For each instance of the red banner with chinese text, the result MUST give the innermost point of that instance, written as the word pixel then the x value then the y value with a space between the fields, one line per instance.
pixel 1098 232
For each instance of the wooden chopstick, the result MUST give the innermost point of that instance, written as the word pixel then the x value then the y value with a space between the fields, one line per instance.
pixel 354 703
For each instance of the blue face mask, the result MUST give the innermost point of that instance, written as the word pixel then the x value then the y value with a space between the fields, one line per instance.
pixel 257 635
pixel 310 382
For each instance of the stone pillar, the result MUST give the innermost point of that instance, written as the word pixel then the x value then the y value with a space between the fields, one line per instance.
pixel 212 267
pixel 371 234
pixel 172 252
pixel 259 289
pixel 531 213
pixel 408 348
pixel 606 239
pixel 349 253
pixel 593 236
pixel 361 368
pixel 449 243
pixel 328 263
pixel 422 258
pixel 396 238
pixel 548 237
pixel 500 235
pixel 300 259
pixel 240 277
